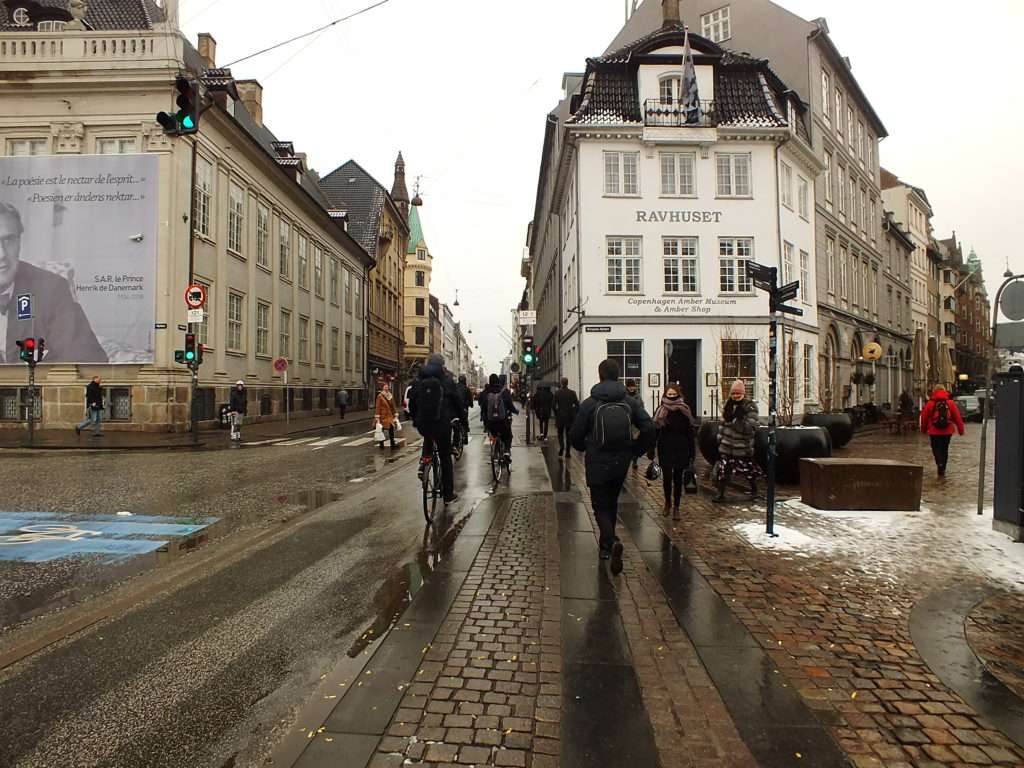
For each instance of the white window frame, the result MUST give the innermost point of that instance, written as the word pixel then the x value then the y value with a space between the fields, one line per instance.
pixel 844 266
pixel 335 280
pixel 679 169
pixel 236 217
pixel 786 181
pixel 318 344
pixel 841 191
pixel 829 180
pixel 727 376
pixel 303 261
pixel 204 196
pixel 728 171
pixel 716 25
pixel 284 334
pixel 803 198
pixel 830 265
pixel 788 262
pixel 616 165
pixel 839 111
pixel 732 265
pixel 335 347
pixel 851 129
pixel 348 350
pixel 826 96
pixel 234 340
pixel 625 255
pixel 682 256
pixel 675 89
pixel 262 329
pixel 51 25
pixel 303 339
pixel 202 330
pixel 808 368
pixel 284 248
pixel 117 145
pixel 29 146
pixel 805 277
pixel 262 236
pixel 318 270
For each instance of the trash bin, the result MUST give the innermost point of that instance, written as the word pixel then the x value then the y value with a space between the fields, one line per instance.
pixel 222 416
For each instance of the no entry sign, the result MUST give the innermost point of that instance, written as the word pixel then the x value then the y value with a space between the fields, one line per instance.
pixel 195 296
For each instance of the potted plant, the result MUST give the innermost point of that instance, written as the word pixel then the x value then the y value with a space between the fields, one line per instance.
pixel 869 379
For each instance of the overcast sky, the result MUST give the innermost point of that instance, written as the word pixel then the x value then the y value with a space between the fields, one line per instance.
pixel 462 87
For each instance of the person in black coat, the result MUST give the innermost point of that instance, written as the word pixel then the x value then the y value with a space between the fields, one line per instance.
pixel 467 402
pixel 93 407
pixel 675 445
pixel 607 465
pixel 497 427
pixel 542 401
pixel 437 431
pixel 238 404
pixel 565 404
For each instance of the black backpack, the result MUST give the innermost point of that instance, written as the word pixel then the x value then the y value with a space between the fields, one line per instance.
pixel 613 426
pixel 496 411
pixel 940 418
pixel 429 402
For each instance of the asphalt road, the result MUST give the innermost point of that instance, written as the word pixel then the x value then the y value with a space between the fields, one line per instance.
pixel 212 671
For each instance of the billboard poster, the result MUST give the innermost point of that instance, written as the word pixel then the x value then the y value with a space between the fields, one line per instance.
pixel 78 235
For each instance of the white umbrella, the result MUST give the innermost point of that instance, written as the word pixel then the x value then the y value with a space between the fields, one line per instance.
pixel 920 364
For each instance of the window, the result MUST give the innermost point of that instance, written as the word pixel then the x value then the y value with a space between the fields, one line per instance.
pixel 861 152
pixel 123 145
pixel 421 307
pixel 421 336
pixel 348 351
pixel 348 292
pixel 734 253
pixel 863 209
pixel 27 147
pixel 50 26
pixel 204 194
pixel 876 286
pixel 262 329
pixel 873 218
pixel 871 153
pixel 788 265
pixel 359 351
pixel 866 292
pixel 421 254
pixel 733 175
pixel 235 315
pixel 285 343
pixel 786 180
pixel 318 343
pixel 843 267
pixel 303 262
pixel 839 112
pixel 335 265
pixel 624 254
pixel 715 26
pixel 335 347
pixel 202 330
pixel 629 355
pixel 421 279
pixel 285 250
pixel 850 128
pixel 841 190
pixel 355 302
pixel 677 174
pixel 826 96
pixel 808 372
pixel 262 235
pixel 853 202
pixel 318 270
pixel 828 180
pixel 14 404
pixel 855 280
pixel 802 198
pixel 739 361
pixel 670 90
pixel 303 339
pixel 680 262
pixel 888 305
pixel 805 277
pixel 236 215
pixel 621 173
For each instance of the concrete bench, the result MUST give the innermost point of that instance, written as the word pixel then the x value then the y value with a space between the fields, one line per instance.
pixel 860 484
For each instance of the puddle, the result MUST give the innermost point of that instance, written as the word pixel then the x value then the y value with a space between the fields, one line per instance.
pixel 310 500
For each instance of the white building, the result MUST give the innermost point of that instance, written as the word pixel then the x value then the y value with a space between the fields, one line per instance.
pixel 656 219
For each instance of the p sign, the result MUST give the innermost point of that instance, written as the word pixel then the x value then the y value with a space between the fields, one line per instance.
pixel 24 306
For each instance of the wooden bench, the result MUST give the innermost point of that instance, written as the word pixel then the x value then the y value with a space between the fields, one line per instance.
pixel 860 484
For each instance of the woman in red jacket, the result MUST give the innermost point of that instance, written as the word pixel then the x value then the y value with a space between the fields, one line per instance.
pixel 939 419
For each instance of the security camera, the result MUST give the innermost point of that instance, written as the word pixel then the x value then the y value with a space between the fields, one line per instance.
pixel 138 238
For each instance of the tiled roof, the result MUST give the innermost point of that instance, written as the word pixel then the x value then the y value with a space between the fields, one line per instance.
pixel 365 201
pixel 743 99
pixel 100 14
pixel 610 96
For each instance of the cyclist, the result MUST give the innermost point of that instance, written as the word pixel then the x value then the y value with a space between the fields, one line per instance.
pixel 433 403
pixel 467 401
pixel 496 411
pixel 236 410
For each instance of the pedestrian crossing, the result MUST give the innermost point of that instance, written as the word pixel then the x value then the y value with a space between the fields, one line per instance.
pixel 320 443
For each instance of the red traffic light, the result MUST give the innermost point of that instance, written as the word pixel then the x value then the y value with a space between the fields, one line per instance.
pixel 30 344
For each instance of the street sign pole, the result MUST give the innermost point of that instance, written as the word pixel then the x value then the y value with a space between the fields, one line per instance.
pixel 287 409
pixel 31 405
pixel 194 365
pixel 773 357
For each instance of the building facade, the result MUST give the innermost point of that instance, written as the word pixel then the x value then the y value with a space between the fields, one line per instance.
pixel 283 276
pixel 655 217
pixel 436 326
pixel 418 267
pixel 379 222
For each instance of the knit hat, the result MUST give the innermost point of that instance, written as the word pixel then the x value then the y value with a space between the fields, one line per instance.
pixel 738 386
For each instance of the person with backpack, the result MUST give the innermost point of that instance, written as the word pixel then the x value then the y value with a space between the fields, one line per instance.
pixel 565 404
pixel 939 419
pixel 386 414
pixel 433 403
pixel 542 401
pixel 603 430
pixel 496 411
pixel 675 445
pixel 736 441
pixel 94 408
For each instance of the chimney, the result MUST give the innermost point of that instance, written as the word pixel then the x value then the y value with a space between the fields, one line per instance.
pixel 670 12
pixel 251 93
pixel 208 49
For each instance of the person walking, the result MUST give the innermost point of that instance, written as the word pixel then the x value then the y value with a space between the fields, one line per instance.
pixel 386 414
pixel 496 410
pixel 434 402
pixel 565 404
pixel 603 430
pixel 632 391
pixel 542 401
pixel 237 407
pixel 939 419
pixel 736 441
pixel 93 408
pixel 342 400
pixel 675 422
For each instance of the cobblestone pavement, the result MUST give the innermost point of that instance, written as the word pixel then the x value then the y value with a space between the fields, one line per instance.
pixel 831 600
pixel 995 631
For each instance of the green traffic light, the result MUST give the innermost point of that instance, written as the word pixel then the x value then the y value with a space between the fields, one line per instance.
pixel 190 355
pixel 528 359
pixel 187 122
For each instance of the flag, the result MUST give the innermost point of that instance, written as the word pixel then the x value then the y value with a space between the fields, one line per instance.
pixel 688 95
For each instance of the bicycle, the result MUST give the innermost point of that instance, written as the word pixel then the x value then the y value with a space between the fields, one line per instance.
pixel 497 457
pixel 458 440
pixel 430 475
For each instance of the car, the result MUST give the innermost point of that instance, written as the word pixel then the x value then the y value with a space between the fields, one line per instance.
pixel 970 407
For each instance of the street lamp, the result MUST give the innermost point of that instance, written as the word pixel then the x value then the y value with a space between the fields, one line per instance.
pixel 456 298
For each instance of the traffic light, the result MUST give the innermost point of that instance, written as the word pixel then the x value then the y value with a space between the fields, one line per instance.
pixel 529 356
pixel 186 119
pixel 200 348
pixel 190 348
pixel 27 350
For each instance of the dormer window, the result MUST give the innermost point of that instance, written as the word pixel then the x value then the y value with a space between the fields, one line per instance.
pixel 669 89
pixel 52 26
pixel 21 17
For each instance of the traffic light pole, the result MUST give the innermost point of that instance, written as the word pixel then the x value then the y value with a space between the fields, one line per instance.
pixel 31 405
pixel 194 366
pixel 773 361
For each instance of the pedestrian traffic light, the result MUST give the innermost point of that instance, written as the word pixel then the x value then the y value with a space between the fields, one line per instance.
pixel 190 348
pixel 186 119
pixel 200 348
pixel 40 350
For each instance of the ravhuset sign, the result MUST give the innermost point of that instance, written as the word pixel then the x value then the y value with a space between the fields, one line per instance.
pixel 679 217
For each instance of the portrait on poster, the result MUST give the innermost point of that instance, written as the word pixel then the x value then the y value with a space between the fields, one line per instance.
pixel 78 234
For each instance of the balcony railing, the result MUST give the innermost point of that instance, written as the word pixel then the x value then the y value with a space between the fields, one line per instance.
pixel 672 114
pixel 89 49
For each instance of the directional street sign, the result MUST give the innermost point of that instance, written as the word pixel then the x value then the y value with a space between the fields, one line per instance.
pixel 762 276
pixel 24 306
pixel 789 310
pixel 788 291
pixel 527 317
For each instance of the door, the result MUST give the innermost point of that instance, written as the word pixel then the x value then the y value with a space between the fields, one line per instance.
pixel 682 364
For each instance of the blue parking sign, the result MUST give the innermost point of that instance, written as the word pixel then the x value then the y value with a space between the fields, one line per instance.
pixel 25 306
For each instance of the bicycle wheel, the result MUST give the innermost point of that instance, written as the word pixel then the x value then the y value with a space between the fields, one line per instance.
pixel 496 461
pixel 458 443
pixel 429 498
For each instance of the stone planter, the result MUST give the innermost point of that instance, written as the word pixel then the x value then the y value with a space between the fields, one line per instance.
pixel 839 426
pixel 791 445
